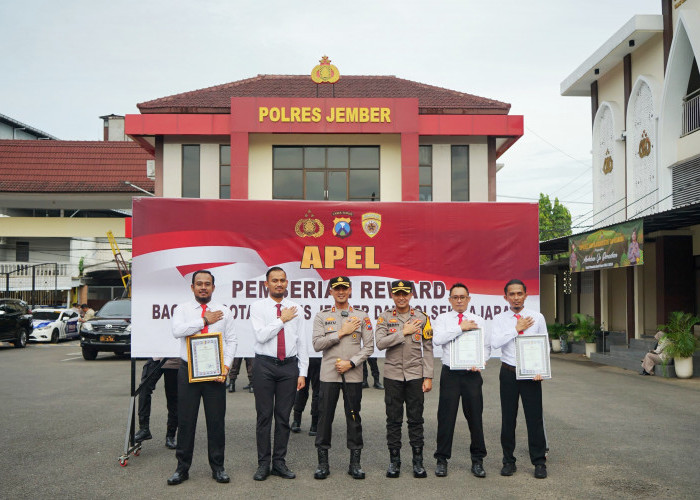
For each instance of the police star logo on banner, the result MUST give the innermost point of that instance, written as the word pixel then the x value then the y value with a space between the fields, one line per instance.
pixel 371 224
pixel 308 226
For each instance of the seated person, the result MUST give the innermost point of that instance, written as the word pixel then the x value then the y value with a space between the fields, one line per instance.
pixel 656 356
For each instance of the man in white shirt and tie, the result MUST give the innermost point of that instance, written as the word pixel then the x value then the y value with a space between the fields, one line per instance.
pixel 279 371
pixel 507 326
pixel 202 315
pixel 456 384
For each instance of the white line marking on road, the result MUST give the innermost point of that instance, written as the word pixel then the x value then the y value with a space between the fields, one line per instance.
pixel 71 359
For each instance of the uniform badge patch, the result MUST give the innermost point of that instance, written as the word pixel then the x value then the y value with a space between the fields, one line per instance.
pixel 368 323
pixel 416 337
pixel 354 335
pixel 393 321
pixel 380 320
pixel 392 330
pixel 427 329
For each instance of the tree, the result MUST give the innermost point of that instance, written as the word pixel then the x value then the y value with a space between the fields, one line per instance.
pixel 555 219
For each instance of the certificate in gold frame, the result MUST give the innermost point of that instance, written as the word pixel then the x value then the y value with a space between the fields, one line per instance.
pixel 205 357
pixel 532 357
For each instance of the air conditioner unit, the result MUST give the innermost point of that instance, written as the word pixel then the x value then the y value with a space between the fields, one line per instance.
pixel 151 169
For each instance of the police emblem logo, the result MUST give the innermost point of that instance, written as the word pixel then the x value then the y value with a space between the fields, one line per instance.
pixel 371 224
pixel 354 335
pixel 325 72
pixel 341 227
pixel 308 226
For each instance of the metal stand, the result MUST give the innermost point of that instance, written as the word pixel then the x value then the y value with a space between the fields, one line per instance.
pixel 130 447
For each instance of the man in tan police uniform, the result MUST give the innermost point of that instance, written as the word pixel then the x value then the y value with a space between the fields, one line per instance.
pixel 406 335
pixel 345 336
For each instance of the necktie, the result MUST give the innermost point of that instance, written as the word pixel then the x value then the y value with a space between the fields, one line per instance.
pixel 459 318
pixel 517 317
pixel 281 350
pixel 206 327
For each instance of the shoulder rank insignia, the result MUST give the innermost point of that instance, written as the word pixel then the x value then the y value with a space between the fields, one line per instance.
pixel 427 329
pixel 368 323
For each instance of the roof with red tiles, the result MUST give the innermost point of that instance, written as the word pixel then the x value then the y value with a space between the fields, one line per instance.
pixel 72 166
pixel 431 99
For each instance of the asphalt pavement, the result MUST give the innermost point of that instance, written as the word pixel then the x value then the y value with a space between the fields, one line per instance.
pixel 612 434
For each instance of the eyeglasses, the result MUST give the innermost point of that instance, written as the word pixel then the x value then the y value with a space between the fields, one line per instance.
pixel 459 297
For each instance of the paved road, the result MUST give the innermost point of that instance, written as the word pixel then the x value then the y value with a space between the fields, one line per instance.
pixel 612 433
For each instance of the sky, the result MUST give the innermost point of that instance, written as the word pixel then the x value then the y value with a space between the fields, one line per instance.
pixel 65 63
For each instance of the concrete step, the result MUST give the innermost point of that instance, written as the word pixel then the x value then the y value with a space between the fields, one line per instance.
pixel 628 361
pixel 644 344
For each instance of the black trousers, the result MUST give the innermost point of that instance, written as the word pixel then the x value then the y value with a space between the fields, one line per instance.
pixel 396 394
pixel 275 388
pixel 530 392
pixel 236 369
pixel 170 376
pixel 374 367
pixel 189 395
pixel 314 381
pixel 456 384
pixel 330 391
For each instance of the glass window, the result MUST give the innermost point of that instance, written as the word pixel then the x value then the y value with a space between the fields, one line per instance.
pixel 288 184
pixel 22 251
pixel 285 157
pixel 361 157
pixel 224 172
pixel 460 173
pixel 326 173
pixel 425 173
pixel 190 171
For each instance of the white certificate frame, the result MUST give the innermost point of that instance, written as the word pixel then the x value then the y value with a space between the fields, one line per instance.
pixel 205 357
pixel 532 357
pixel 467 351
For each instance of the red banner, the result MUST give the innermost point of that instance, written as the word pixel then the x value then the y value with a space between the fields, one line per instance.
pixel 433 244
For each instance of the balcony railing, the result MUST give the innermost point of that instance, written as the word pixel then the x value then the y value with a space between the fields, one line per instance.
pixel 15 276
pixel 691 113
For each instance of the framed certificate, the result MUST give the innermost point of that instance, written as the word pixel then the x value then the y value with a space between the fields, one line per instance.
pixel 532 357
pixel 205 357
pixel 467 351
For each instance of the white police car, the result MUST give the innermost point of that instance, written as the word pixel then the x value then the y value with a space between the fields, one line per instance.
pixel 50 324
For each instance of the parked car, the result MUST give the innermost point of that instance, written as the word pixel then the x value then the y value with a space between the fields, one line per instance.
pixel 108 331
pixel 52 324
pixel 15 321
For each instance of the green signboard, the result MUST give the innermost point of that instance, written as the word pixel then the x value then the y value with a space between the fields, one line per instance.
pixel 616 246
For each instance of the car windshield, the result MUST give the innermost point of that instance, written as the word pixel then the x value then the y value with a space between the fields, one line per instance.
pixel 50 315
pixel 116 309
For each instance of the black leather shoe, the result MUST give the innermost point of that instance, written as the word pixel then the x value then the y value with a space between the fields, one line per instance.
pixel 478 470
pixel 262 472
pixel 365 385
pixel 250 389
pixel 323 470
pixel 142 435
pixel 170 442
pixel 540 471
pixel 296 426
pixel 441 468
pixel 178 477
pixel 378 385
pixel 232 387
pixel 282 471
pixel 355 469
pixel 508 469
pixel 220 476
pixel 313 429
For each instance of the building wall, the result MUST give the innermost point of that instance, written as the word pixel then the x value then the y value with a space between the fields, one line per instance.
pixel 649 59
pixel 617 283
pixel 260 163
pixel 548 297
pixel 649 288
pixel 9 132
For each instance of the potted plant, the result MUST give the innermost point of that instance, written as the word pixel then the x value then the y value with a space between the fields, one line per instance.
pixel 585 330
pixel 680 342
pixel 556 331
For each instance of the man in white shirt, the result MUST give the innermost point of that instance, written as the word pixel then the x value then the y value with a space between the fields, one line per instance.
pixel 507 326
pixel 281 363
pixel 202 315
pixel 456 384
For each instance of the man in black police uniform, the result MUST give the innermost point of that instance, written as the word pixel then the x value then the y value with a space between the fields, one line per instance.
pixel 313 383
pixel 406 335
pixel 202 315
pixel 345 336
pixel 153 370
